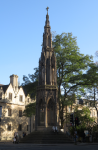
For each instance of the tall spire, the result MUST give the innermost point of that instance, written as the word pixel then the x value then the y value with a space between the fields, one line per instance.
pixel 47 9
pixel 47 37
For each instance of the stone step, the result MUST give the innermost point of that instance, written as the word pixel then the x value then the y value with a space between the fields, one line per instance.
pixel 51 142
pixel 46 137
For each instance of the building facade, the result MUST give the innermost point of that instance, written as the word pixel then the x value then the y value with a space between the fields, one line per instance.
pixel 82 103
pixel 13 100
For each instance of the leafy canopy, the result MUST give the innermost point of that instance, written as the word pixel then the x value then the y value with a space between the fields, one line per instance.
pixel 30 110
pixel 74 70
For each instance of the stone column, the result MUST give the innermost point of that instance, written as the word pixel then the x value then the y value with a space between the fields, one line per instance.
pixel 45 70
pixel 45 107
pixel 55 74
pixel 55 114
pixel 36 117
pixel 50 73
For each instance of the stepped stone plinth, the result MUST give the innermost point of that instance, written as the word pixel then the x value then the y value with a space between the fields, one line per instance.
pixel 46 137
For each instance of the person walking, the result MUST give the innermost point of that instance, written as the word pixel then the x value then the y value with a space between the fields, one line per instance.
pixel 17 137
pixel 75 137
pixel 53 129
pixel 83 137
pixel 56 129
pixel 23 134
pixel 14 140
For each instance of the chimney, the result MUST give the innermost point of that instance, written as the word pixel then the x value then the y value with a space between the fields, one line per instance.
pixel 14 81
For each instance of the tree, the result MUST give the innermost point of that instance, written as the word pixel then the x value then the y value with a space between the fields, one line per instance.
pixel 85 120
pixel 29 111
pixel 63 113
pixel 31 82
pixel 64 103
pixel 84 116
pixel 74 70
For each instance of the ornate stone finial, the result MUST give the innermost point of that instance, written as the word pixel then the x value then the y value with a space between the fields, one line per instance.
pixel 47 9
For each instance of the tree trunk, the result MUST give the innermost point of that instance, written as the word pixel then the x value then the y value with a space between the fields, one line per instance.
pixel 30 124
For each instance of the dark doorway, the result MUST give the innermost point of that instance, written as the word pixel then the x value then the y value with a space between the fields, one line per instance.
pixel 41 113
pixel 50 113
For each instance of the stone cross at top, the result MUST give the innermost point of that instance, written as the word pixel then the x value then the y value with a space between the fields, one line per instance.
pixel 47 9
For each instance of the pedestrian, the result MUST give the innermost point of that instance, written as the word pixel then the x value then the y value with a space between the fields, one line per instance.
pixel 83 137
pixel 17 138
pixel 53 129
pixel 14 140
pixel 56 129
pixel 75 137
pixel 23 134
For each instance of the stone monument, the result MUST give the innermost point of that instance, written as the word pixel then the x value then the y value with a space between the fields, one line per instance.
pixel 47 92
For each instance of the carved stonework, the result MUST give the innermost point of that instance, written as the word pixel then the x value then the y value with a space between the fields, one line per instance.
pixel 46 110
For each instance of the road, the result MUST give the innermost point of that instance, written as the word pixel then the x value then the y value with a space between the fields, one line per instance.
pixel 10 146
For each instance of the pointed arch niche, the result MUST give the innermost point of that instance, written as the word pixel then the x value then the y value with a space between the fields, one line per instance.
pixel 41 113
pixel 50 113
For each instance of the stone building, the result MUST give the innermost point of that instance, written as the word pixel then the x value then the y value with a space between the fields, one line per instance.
pixel 82 103
pixel 13 100
pixel 47 93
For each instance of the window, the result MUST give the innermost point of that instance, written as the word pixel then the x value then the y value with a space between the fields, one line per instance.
pixel 27 127
pixel 28 100
pixel 0 94
pixel 9 127
pixel 10 96
pixel 0 111
pixel 9 112
pixel 20 98
pixel 20 127
pixel 20 113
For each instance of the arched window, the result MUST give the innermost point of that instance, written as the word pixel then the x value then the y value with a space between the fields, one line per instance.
pixel 9 127
pixel 10 96
pixel 0 94
pixel 50 105
pixel 9 112
pixel 0 111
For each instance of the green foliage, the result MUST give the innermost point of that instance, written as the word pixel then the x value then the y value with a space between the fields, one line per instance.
pixel 84 116
pixel 75 71
pixel 31 88
pixel 30 110
pixel 79 129
pixel 31 78
pixel 71 64
pixel 64 102
pixel 31 82
pixel 95 128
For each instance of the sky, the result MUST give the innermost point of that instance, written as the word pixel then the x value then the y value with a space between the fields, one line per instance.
pixel 22 25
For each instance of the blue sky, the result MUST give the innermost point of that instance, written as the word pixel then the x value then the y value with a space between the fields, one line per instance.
pixel 22 26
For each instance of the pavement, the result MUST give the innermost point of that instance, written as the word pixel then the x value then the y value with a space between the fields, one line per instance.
pixel 23 146
pixel 78 143
pixel 8 145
